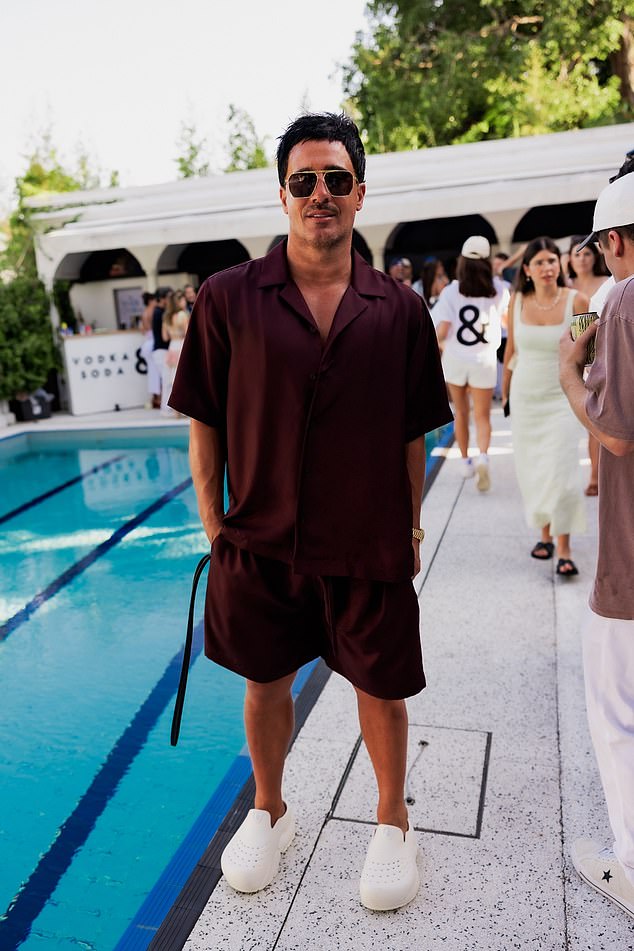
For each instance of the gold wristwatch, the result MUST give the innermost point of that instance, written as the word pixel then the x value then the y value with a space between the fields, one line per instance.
pixel 418 533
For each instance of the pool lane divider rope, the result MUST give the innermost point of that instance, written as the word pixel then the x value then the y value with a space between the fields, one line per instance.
pixel 59 488
pixel 17 921
pixel 80 566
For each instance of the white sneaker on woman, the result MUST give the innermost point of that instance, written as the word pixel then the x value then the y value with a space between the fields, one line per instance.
pixel 483 479
pixel 468 470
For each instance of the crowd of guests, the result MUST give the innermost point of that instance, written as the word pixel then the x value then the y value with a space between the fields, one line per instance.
pixel 553 390
pixel 164 322
pixel 498 324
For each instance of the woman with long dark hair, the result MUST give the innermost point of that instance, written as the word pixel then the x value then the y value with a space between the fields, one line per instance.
pixel 433 278
pixel 545 431
pixel 468 318
pixel 586 267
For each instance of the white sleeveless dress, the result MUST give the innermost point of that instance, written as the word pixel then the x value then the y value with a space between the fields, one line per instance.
pixel 546 432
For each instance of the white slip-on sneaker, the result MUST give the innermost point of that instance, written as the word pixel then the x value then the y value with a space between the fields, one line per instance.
pixel 251 858
pixel 390 877
pixel 483 478
pixel 601 869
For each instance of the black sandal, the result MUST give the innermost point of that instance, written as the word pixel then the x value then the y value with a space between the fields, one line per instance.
pixel 543 551
pixel 570 568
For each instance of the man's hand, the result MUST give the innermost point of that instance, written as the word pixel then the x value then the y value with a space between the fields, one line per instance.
pixel 212 530
pixel 572 354
pixel 416 547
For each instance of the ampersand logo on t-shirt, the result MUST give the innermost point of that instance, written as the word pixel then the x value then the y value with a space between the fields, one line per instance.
pixel 467 334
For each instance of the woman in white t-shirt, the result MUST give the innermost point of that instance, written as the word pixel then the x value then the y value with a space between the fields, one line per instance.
pixel 468 318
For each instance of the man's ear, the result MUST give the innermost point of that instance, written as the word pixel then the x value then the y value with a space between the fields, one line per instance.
pixel 617 242
pixel 284 200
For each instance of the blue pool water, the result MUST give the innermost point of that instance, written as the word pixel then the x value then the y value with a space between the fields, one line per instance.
pixel 94 801
pixel 101 820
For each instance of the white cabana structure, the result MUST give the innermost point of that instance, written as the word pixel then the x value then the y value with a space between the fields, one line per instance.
pixel 113 242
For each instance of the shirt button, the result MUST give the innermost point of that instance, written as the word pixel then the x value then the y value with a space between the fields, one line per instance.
pixel 313 330
pixel 312 377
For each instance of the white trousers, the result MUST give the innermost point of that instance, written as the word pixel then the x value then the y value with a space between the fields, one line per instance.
pixel 157 361
pixel 153 372
pixel 608 662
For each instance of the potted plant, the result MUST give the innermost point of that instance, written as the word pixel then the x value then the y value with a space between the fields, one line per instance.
pixel 27 346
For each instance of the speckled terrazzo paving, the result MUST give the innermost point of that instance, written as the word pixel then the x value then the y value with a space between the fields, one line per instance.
pixel 501 770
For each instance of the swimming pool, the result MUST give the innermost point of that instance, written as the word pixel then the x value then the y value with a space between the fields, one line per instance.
pixel 95 587
pixel 100 817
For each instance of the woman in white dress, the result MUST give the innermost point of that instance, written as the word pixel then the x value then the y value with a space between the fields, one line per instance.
pixel 175 322
pixel 545 431
pixel 468 318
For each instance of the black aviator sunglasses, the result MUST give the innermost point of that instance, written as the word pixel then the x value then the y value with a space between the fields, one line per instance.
pixel 338 181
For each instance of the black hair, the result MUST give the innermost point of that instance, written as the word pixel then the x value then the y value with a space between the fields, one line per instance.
pixel 147 297
pixel 522 282
pixel 598 265
pixel 319 127
pixel 475 277
pixel 428 276
pixel 502 255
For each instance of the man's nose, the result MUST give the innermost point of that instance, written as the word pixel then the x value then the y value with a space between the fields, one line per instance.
pixel 321 192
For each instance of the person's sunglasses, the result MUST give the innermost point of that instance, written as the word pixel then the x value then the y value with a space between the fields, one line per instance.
pixel 338 181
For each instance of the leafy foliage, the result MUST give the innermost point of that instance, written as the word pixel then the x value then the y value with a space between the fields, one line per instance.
pixel 27 348
pixel 193 160
pixel 437 72
pixel 246 149
pixel 44 173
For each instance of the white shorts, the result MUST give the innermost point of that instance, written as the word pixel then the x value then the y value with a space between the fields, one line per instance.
pixel 480 376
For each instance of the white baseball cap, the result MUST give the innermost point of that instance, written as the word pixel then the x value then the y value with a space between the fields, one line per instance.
pixel 476 247
pixel 614 207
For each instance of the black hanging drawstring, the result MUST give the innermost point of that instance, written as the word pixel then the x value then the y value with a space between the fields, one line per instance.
pixel 182 683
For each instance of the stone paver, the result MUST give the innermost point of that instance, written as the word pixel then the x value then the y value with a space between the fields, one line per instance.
pixel 504 783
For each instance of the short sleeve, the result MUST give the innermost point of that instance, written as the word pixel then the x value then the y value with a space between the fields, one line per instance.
pixel 200 385
pixel 427 404
pixel 609 382
pixel 443 310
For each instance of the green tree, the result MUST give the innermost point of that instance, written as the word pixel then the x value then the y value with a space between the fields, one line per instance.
pixel 44 173
pixel 437 72
pixel 193 160
pixel 246 149
pixel 27 348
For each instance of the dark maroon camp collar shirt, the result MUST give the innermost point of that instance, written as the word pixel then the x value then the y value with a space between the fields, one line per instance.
pixel 315 432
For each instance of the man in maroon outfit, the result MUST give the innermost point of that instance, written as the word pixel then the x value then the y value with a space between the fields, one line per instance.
pixel 312 379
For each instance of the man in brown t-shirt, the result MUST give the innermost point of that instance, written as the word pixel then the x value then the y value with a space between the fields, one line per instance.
pixel 312 378
pixel 605 405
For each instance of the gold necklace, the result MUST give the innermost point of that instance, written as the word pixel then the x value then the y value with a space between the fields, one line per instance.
pixel 550 306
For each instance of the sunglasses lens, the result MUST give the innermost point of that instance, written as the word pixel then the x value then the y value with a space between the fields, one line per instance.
pixel 302 184
pixel 339 182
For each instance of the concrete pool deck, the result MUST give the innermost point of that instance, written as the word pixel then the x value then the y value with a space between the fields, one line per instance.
pixel 506 780
pixel 501 768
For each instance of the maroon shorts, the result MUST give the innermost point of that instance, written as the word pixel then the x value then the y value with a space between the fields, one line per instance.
pixel 264 622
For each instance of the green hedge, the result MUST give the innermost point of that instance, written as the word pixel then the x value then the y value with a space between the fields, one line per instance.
pixel 27 344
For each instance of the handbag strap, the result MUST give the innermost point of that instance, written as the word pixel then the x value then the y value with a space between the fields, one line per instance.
pixel 187 650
